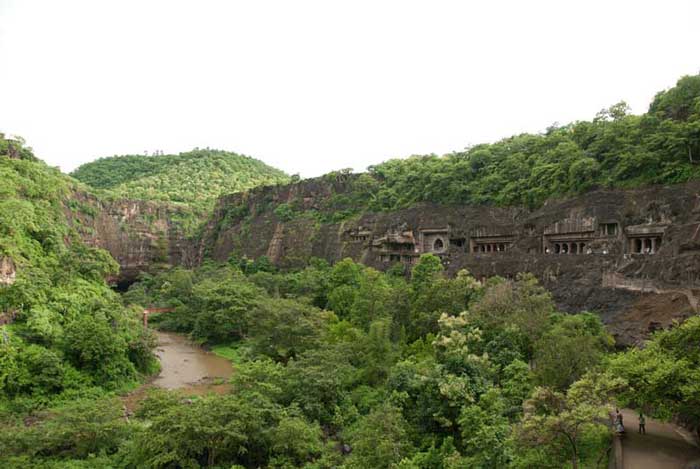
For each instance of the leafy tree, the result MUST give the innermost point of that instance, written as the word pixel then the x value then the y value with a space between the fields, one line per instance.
pixel 318 382
pixel 427 270
pixel 379 352
pixel 523 303
pixel 223 308
pixel 295 442
pixel 208 431
pixel 486 432
pixel 663 376
pixel 282 329
pixel 379 439
pixel 371 299
pixel 575 344
pixel 92 345
pixel 75 430
pixel 556 422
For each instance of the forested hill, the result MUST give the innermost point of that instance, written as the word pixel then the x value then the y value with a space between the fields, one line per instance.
pixel 63 332
pixel 614 149
pixel 196 177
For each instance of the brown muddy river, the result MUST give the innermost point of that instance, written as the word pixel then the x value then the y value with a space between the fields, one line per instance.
pixel 187 366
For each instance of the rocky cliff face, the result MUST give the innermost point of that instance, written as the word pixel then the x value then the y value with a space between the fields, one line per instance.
pixel 633 256
pixel 139 235
pixel 7 271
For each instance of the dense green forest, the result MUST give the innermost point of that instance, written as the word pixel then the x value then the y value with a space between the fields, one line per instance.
pixel 195 178
pixel 615 149
pixel 426 372
pixel 68 334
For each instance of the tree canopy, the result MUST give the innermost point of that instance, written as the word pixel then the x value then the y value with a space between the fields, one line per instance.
pixel 196 177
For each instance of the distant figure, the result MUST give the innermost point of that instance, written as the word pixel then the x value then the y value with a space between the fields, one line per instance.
pixel 619 426
pixel 642 423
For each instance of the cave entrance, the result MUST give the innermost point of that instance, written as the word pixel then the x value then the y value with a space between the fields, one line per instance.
pixel 121 285
pixel 439 245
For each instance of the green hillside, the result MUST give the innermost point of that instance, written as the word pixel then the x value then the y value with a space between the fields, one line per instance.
pixel 614 149
pixel 196 177
pixel 66 333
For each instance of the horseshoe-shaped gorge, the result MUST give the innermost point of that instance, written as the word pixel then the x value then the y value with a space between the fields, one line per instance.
pixel 523 303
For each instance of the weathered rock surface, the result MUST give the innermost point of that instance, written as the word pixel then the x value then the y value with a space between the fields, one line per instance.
pixel 138 234
pixel 633 256
pixel 7 271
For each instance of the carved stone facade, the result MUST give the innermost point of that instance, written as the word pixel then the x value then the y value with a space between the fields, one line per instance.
pixel 569 236
pixel 644 239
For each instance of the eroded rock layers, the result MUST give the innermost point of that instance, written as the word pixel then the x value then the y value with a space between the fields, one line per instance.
pixel 630 255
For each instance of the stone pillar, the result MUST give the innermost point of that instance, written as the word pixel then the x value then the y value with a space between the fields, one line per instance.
pixel 653 245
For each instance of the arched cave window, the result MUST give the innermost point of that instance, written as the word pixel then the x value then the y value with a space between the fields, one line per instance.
pixel 438 245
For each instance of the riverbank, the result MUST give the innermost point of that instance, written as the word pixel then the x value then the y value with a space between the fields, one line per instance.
pixel 185 367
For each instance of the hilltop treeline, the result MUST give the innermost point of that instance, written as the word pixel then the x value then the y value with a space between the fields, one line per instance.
pixel 615 149
pixel 196 177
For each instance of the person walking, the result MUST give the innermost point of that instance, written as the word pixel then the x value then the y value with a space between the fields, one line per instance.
pixel 642 423
pixel 619 427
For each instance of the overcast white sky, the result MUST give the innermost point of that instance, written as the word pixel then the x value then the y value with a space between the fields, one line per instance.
pixel 312 86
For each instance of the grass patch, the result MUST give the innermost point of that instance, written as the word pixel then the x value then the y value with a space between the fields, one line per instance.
pixel 235 353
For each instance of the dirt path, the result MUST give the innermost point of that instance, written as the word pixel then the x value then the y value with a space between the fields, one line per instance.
pixel 665 446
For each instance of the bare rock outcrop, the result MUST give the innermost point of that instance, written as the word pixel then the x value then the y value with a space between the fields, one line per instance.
pixel 8 271
pixel 140 235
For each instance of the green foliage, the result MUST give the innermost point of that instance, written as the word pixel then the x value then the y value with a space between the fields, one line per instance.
pixel 70 335
pixel 573 345
pixel 284 212
pixel 92 345
pixel 664 376
pixel 379 440
pixel 615 149
pixel 195 178
pixel 555 422
pixel 282 329
pixel 322 361
pixel 77 430
pixel 15 148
